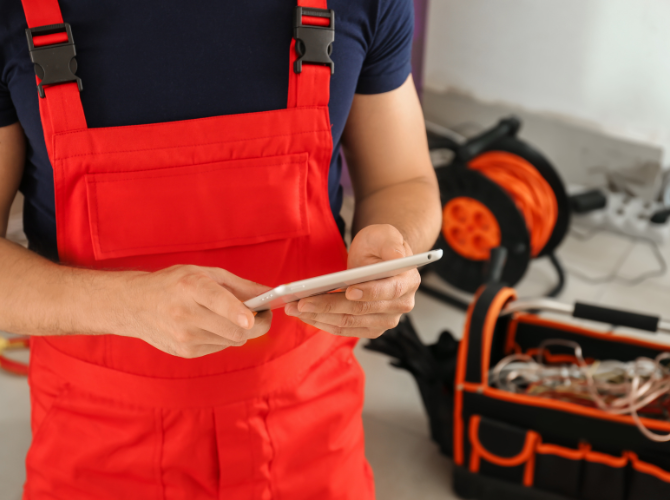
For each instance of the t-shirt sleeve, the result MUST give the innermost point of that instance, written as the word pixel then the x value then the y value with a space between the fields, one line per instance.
pixel 388 60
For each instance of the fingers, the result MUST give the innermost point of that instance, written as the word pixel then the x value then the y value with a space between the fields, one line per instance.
pixel 206 337
pixel 262 324
pixel 218 311
pixel 366 310
pixel 190 311
pixel 239 287
pixel 204 350
pixel 347 321
pixel 337 303
pixel 222 302
pixel 196 342
pixel 222 314
pixel 359 332
pixel 215 334
pixel 388 289
pixel 219 326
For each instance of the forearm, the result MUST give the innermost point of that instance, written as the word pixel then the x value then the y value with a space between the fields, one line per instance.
pixel 412 207
pixel 12 158
pixel 38 297
pixel 387 153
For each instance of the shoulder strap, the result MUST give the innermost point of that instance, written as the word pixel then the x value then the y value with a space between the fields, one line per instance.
pixel 42 12
pixel 60 108
pixel 310 87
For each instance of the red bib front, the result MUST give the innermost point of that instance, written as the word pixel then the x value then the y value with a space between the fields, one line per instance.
pixel 247 193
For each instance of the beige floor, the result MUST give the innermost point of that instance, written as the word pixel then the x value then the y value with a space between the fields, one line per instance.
pixel 407 465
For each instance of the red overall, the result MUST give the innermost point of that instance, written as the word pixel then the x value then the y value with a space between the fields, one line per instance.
pixel 113 417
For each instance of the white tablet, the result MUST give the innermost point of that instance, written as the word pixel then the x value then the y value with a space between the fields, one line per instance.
pixel 322 284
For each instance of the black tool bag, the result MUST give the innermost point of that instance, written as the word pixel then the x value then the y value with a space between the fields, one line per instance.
pixel 516 446
pixel 433 368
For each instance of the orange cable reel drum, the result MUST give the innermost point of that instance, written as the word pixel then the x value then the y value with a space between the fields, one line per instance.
pixel 498 191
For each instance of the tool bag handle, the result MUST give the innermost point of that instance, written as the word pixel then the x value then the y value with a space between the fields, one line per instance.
pixel 616 317
pixel 612 316
pixel 482 321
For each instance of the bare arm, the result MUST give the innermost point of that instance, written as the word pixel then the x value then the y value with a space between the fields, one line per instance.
pixel 387 153
pixel 397 213
pixel 187 311
pixel 12 158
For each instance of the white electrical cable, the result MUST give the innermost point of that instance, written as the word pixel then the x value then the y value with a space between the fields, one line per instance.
pixel 644 380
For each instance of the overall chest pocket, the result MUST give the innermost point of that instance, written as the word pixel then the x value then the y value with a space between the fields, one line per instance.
pixel 198 207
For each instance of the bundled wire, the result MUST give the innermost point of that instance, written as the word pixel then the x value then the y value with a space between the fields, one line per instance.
pixel 615 387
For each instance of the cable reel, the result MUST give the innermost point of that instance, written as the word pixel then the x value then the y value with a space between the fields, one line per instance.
pixel 498 192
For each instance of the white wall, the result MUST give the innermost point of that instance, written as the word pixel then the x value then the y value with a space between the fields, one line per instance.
pixel 606 62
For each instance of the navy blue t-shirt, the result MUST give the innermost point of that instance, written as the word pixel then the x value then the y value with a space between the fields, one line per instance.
pixel 148 61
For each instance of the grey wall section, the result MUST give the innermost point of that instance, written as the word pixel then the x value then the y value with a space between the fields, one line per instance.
pixel 603 61
pixel 579 150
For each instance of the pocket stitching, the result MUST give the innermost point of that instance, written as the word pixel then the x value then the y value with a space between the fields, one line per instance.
pixel 48 418
pixel 50 413
pixel 525 456
pixel 101 254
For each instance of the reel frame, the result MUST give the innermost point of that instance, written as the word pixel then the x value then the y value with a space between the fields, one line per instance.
pixel 456 180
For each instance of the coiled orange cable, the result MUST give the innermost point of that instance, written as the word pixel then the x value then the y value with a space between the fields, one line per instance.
pixel 531 193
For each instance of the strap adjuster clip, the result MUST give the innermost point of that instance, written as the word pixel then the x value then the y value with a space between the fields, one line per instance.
pixel 55 63
pixel 314 44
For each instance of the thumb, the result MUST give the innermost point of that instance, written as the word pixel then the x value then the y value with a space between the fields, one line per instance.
pixel 242 289
pixel 377 243
pixel 395 248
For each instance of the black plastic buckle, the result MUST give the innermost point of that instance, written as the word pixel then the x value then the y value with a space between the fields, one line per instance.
pixel 314 44
pixel 53 63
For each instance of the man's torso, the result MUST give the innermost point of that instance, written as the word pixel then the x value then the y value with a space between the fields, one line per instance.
pixel 155 62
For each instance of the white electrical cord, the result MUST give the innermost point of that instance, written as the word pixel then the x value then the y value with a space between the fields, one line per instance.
pixel 643 380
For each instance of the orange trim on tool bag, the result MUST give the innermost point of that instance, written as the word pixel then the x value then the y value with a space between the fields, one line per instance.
pixel 510 339
pixel 605 459
pixel 553 404
pixel 560 451
pixel 529 471
pixel 492 315
pixel 531 319
pixel 526 456
pixel 647 468
pixel 461 367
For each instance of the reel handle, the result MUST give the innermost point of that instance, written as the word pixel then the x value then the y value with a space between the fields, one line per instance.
pixel 507 127
pixel 495 265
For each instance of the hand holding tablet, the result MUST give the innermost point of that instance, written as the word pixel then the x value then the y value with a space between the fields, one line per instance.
pixel 292 292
